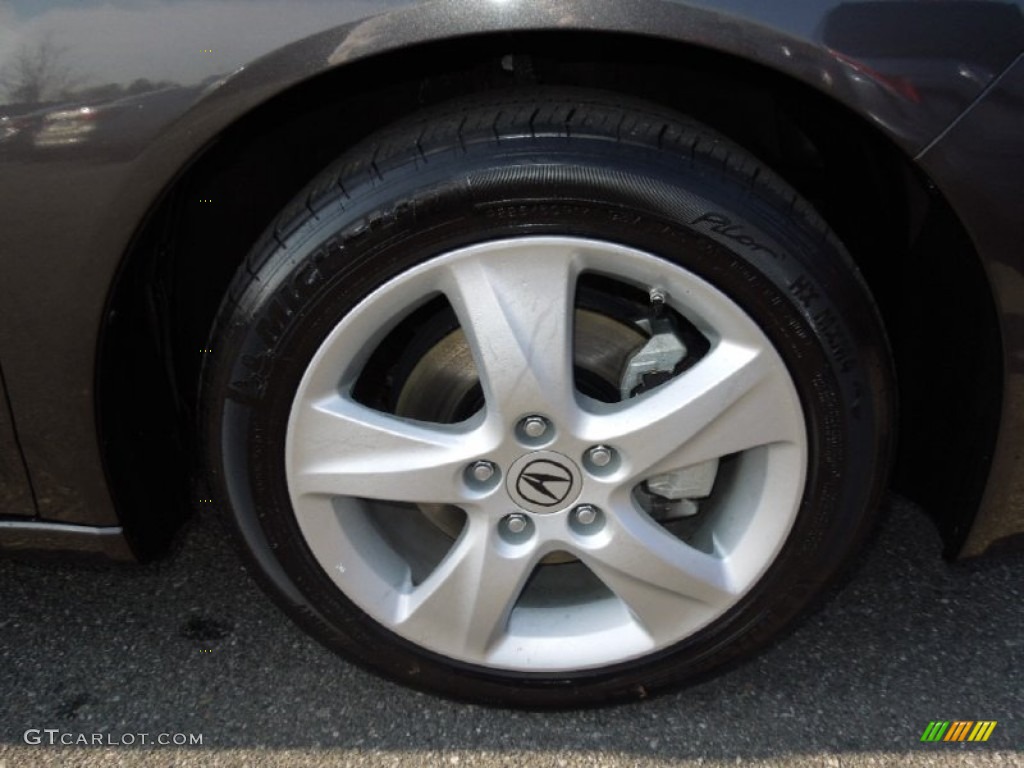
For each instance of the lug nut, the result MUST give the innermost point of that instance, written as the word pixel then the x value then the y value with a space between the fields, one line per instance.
pixel 600 455
pixel 482 471
pixel 535 426
pixel 516 523
pixel 585 514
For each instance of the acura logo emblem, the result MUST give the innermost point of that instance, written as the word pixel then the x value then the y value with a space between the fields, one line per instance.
pixel 544 483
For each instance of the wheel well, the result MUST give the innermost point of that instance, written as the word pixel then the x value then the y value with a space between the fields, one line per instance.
pixel 916 257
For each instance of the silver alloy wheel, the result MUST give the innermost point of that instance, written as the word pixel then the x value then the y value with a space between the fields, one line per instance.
pixel 351 468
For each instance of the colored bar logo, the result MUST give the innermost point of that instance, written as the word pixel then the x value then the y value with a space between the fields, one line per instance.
pixel 958 730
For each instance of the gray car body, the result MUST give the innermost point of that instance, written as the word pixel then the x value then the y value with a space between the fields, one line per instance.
pixel 75 201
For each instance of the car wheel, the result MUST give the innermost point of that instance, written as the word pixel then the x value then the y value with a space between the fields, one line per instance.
pixel 548 399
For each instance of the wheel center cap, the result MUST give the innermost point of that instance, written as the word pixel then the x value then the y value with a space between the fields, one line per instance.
pixel 544 482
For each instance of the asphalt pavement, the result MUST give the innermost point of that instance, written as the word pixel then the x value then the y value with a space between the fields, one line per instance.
pixel 189 646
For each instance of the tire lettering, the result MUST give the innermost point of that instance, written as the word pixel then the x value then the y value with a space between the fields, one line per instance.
pixel 835 339
pixel 722 225
pixel 804 291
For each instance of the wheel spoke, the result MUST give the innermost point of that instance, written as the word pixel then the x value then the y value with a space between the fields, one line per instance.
pixel 657 576
pixel 766 414
pixel 732 400
pixel 464 605
pixel 342 448
pixel 516 309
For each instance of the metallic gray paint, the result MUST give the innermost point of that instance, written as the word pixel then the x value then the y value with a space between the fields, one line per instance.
pixel 15 491
pixel 979 164
pixel 34 537
pixel 97 191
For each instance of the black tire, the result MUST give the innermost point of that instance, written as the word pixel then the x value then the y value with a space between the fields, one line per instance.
pixel 567 163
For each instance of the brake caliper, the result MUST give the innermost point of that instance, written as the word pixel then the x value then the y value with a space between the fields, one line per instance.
pixel 669 495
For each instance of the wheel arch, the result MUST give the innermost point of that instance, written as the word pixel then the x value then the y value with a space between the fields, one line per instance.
pixel 181 259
